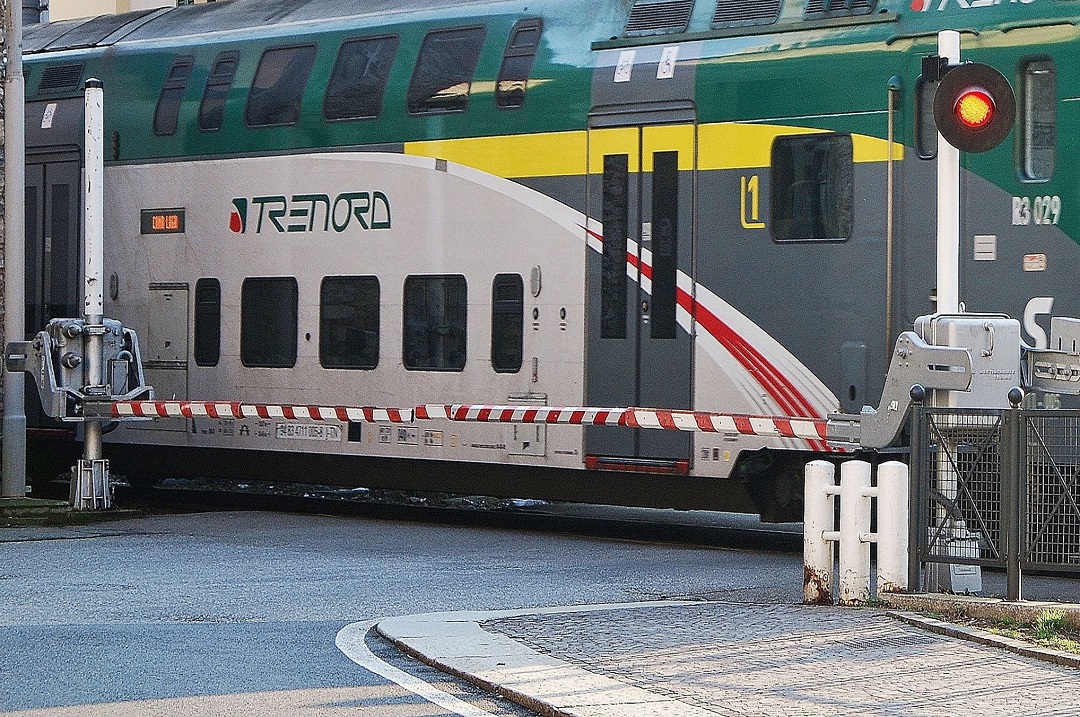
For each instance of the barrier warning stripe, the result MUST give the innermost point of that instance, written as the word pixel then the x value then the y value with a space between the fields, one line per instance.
pixel 226 409
pixel 810 429
pixel 573 415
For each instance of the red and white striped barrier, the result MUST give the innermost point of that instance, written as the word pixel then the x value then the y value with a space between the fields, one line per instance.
pixel 811 429
pixel 574 415
pixel 225 409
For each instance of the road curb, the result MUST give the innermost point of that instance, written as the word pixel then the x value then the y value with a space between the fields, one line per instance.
pixel 983 637
pixel 455 643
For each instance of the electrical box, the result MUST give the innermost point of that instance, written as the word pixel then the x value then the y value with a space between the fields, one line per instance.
pixel 993 341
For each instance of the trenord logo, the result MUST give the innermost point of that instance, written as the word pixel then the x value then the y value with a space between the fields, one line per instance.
pixel 310 213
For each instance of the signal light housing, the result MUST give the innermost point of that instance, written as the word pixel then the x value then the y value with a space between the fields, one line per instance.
pixel 974 107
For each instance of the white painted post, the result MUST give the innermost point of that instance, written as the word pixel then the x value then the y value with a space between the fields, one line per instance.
pixel 892 528
pixel 948 201
pixel 90 483
pixel 854 527
pixel 819 496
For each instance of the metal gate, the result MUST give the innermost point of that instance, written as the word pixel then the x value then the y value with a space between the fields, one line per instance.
pixel 997 488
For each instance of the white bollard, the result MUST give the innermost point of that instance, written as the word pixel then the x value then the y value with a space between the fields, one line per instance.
pixel 892 528
pixel 819 495
pixel 854 533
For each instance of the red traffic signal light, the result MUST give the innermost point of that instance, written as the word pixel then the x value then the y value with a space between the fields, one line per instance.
pixel 974 107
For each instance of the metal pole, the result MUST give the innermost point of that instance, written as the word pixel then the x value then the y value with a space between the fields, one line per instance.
pixel 90 484
pixel 14 259
pixel 1010 500
pixel 948 201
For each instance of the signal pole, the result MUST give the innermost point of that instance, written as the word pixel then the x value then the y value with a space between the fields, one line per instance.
pixel 948 201
pixel 14 259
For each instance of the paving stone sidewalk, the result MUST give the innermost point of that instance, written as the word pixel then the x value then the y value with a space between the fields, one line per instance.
pixel 741 660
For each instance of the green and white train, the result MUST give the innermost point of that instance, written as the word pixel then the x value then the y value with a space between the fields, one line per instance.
pixel 722 205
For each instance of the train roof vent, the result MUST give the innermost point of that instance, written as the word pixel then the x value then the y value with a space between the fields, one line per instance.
pixel 818 9
pixel 60 78
pixel 738 13
pixel 658 17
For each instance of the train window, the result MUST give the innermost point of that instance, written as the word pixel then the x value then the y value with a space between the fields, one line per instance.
pixel 812 187
pixel 172 92
pixel 507 322
pixel 616 218
pixel 207 322
pixel 442 78
pixel 358 80
pixel 665 249
pixel 268 322
pixel 1038 119
pixel 433 333
pixel 218 84
pixel 926 134
pixel 349 322
pixel 274 99
pixel 517 63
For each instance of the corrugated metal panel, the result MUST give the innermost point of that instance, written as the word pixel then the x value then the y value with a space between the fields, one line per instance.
pixel 59 78
pixel 816 9
pixel 649 17
pixel 737 13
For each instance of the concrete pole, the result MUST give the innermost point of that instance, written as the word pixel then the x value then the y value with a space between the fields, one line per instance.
pixel 819 496
pixel 14 260
pixel 892 528
pixel 854 527
pixel 948 201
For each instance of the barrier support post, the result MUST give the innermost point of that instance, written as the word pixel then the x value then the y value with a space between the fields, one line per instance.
pixel 854 533
pixel 892 528
pixel 819 486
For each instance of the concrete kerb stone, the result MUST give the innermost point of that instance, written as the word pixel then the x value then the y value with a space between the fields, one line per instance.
pixel 912 610
pixel 539 682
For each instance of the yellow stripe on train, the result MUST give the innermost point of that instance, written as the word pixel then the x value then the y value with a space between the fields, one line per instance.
pixel 726 145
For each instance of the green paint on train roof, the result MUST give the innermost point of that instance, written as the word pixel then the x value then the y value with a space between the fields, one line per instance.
pixel 827 73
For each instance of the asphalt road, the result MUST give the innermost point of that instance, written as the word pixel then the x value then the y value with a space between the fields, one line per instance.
pixel 237 613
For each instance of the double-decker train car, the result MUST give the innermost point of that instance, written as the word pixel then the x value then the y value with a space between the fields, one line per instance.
pixel 723 205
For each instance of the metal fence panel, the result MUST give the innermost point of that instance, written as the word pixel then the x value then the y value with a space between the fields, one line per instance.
pixel 960 468
pixel 1051 483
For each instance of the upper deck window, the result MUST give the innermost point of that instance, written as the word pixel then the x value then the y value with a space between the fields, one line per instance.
pixel 358 80
pixel 218 84
pixel 274 100
pixel 926 134
pixel 1038 119
pixel 167 111
pixel 443 76
pixel 812 192
pixel 517 63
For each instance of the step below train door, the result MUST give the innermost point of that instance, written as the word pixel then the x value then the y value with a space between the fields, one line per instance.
pixel 640 345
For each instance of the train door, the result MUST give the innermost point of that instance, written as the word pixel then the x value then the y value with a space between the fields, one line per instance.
pixel 52 241
pixel 640 347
